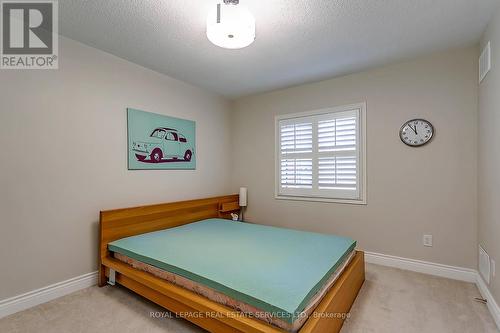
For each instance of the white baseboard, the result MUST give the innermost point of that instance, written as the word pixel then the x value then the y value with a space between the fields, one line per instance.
pixel 22 302
pixel 420 266
pixel 491 303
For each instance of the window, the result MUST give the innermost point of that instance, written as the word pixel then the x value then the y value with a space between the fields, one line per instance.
pixel 171 136
pixel 320 155
pixel 158 133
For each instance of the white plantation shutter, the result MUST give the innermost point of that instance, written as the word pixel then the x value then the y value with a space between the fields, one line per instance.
pixel 337 134
pixel 319 154
pixel 337 173
pixel 296 173
pixel 296 140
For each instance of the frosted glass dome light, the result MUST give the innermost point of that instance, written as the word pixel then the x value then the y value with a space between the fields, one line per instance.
pixel 230 25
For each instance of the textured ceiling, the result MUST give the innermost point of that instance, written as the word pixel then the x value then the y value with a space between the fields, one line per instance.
pixel 297 41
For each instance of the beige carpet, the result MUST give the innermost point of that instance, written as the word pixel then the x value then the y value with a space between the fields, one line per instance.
pixel 391 300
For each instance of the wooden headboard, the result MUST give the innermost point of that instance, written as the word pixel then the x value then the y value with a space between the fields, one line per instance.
pixel 125 222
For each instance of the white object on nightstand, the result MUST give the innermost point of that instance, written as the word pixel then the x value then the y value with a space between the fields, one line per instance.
pixel 243 201
pixel 243 196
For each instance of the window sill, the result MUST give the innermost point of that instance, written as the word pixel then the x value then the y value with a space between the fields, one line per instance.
pixel 318 199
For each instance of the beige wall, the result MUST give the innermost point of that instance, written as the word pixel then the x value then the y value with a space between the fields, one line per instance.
pixel 63 136
pixel 64 158
pixel 489 153
pixel 411 191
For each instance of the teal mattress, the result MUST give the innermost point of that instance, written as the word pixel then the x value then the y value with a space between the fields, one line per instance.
pixel 273 269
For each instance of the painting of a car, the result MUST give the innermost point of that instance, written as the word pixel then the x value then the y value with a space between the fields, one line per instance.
pixel 160 142
pixel 163 145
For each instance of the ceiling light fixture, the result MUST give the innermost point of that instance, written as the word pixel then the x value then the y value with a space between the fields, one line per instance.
pixel 231 26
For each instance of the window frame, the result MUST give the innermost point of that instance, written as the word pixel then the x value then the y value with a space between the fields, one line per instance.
pixel 359 107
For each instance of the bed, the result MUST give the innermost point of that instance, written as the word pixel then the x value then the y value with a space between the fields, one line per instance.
pixel 236 277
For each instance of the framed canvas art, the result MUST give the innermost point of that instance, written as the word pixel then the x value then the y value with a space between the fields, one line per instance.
pixel 160 142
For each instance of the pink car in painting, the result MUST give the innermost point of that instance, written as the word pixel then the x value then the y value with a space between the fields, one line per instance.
pixel 164 145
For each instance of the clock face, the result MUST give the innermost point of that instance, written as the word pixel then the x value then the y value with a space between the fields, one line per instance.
pixel 416 132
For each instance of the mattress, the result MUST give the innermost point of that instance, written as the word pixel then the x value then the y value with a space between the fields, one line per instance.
pixel 273 269
pixel 247 309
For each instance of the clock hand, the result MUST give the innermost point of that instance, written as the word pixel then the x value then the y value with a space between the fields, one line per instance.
pixel 414 129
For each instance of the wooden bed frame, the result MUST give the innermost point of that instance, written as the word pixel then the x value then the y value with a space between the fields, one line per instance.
pixel 212 316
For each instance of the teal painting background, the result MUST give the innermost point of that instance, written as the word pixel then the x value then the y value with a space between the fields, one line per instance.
pixel 141 124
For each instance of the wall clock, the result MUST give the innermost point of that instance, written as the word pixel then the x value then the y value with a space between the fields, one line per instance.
pixel 416 132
